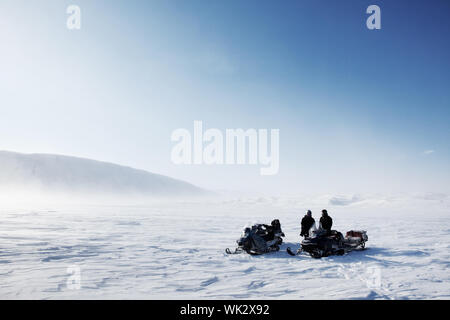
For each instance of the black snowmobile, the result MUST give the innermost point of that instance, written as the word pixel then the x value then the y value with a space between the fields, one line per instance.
pixel 260 239
pixel 322 243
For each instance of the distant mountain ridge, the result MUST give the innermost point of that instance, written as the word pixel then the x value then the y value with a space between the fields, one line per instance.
pixel 49 172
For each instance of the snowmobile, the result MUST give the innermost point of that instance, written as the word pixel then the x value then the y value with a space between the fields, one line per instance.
pixel 322 243
pixel 260 239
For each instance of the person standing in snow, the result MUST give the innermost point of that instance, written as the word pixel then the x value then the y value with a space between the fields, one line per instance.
pixel 307 222
pixel 325 221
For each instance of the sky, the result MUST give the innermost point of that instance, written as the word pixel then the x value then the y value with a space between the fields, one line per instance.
pixel 358 110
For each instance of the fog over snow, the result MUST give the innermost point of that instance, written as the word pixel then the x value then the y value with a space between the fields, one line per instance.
pixel 31 175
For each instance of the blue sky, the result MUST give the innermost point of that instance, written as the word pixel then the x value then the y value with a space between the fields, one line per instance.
pixel 356 108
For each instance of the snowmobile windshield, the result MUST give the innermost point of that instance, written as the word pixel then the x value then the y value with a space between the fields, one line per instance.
pixel 312 231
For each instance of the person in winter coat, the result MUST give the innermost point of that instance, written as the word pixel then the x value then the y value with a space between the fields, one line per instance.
pixel 325 221
pixel 307 222
pixel 273 229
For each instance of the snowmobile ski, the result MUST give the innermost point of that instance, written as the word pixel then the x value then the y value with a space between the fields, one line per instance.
pixel 236 251
pixel 288 250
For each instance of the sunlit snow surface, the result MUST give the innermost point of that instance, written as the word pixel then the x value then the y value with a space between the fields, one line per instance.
pixel 176 250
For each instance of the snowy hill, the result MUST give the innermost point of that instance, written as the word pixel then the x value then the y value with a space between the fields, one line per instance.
pixel 56 173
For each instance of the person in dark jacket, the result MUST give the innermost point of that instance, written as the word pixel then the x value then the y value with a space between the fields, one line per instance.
pixel 307 222
pixel 273 229
pixel 325 221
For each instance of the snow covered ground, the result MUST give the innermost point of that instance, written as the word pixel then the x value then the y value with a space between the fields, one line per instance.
pixel 176 250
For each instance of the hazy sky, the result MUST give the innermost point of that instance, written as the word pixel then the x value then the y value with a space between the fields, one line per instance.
pixel 358 110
